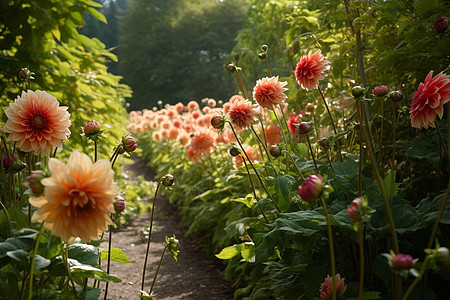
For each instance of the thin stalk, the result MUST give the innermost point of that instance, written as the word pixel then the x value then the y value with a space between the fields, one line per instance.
pixel 361 259
pixel 261 142
pixel 54 152
pixel 329 161
pixel 422 270
pixel 253 187
pixel 332 122
pixel 242 85
pixel 379 182
pixel 66 264
pixel 254 169
pixel 268 69
pixel 7 216
pixel 33 259
pixel 394 140
pixel 95 151
pixel 285 122
pixel 312 154
pixel 150 234
pixel 109 259
pixel 283 134
pixel 330 242
pixel 380 140
pixel 295 164
pixel 441 139
pixel 159 266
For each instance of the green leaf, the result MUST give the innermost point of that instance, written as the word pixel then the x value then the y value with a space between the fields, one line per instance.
pixel 117 255
pixel 86 254
pixel 87 271
pixel 389 185
pixel 97 14
pixel 18 219
pixel 283 188
pixel 246 250
pixel 402 26
pixel 18 254
pixel 41 262
pixel 249 200
pixel 425 5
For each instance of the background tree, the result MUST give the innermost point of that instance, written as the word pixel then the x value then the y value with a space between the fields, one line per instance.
pixel 178 50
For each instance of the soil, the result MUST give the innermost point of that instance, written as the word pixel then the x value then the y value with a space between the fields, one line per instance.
pixel 192 277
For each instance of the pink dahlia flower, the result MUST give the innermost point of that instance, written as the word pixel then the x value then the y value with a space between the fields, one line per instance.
pixel 37 122
pixel 242 113
pixel 309 70
pixel 429 99
pixel 269 92
pixel 326 287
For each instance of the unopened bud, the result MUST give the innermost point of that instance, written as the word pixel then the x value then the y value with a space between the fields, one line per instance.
pixel 129 143
pixel 323 142
pixel 440 24
pixel 233 151
pixel 396 96
pixel 380 90
pixel 358 91
pixel 7 162
pixel 174 244
pixel 309 107
pixel 304 128
pixel 441 259
pixel 402 261
pixel 119 204
pixel 264 47
pixel 34 182
pixel 311 188
pixel 262 55
pixel 18 165
pixel 355 209
pixel 91 128
pixel 231 68
pixel 275 151
pixel 307 116
pixel 218 122
pixel 168 180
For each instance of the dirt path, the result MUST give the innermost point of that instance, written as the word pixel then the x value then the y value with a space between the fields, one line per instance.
pixel 192 277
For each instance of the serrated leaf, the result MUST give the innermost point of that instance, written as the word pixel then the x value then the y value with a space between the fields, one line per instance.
pixel 117 255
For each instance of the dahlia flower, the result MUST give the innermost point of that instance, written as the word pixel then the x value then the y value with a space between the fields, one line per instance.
pixel 429 99
pixel 273 134
pixel 238 160
pixel 203 142
pixel 326 287
pixel 309 70
pixel 269 92
pixel 242 113
pixel 37 122
pixel 78 198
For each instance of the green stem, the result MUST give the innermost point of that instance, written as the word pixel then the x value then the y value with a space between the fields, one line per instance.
pixel 66 264
pixel 438 219
pixel 7 216
pixel 330 242
pixel 157 270
pixel 283 134
pixel 109 259
pixel 285 122
pixel 296 167
pixel 394 141
pixel 33 259
pixel 268 69
pixel 242 85
pixel 253 187
pixel 361 259
pixel 150 234
pixel 332 122
pixel 422 270
pixel 379 181
pixel 261 142
pixel 380 141
pixel 312 154
pixel 254 169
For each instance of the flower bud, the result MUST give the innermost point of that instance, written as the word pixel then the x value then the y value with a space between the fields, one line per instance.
pixel 441 259
pixel 262 55
pixel 34 182
pixel 380 90
pixel 440 24
pixel 168 180
pixel 159 102
pixel 18 165
pixel 304 128
pixel 119 204
pixel 233 151
pixel 264 47
pixel 307 116
pixel 309 107
pixel 311 188
pixel 174 244
pixel 218 122
pixel 355 210
pixel 396 96
pixel 275 151
pixel 323 142
pixel 91 128
pixel 402 261
pixel 358 91
pixel 231 68
pixel 7 162
pixel 129 143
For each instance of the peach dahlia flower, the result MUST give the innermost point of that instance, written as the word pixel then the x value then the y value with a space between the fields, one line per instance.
pixel 269 92
pixel 429 99
pixel 78 198
pixel 37 122
pixel 309 70
pixel 242 113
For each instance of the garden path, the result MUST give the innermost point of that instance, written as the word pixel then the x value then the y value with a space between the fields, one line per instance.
pixel 192 277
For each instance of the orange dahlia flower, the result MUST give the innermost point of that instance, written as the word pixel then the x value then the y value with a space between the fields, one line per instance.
pixel 269 92
pixel 309 70
pixel 273 134
pixel 242 113
pixel 203 142
pixel 37 122
pixel 429 99
pixel 238 160
pixel 78 198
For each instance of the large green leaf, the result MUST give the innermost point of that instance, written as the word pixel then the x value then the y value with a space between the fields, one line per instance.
pixel 246 250
pixel 86 254
pixel 117 255
pixel 283 186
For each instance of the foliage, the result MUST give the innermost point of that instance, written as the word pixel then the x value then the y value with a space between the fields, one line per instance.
pixel 178 46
